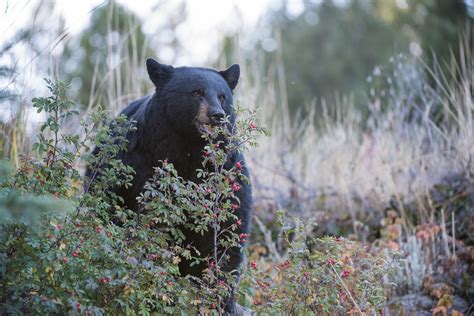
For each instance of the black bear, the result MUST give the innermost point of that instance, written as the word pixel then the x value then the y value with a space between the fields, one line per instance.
pixel 169 125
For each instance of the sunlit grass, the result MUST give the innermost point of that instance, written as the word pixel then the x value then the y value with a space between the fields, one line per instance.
pixel 351 163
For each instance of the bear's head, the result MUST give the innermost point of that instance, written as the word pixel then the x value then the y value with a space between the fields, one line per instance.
pixel 194 99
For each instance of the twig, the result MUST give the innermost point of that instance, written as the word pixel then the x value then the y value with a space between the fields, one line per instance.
pixel 453 233
pixel 445 235
pixel 347 290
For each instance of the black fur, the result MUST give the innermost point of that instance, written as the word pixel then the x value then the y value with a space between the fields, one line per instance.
pixel 167 129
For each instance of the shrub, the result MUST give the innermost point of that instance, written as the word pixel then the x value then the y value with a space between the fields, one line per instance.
pixel 68 246
pixel 329 275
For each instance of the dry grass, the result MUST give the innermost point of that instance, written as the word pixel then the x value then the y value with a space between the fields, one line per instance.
pixel 399 153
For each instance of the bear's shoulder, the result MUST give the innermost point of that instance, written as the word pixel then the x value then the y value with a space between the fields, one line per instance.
pixel 134 108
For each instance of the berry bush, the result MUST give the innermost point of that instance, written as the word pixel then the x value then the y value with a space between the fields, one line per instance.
pixel 67 246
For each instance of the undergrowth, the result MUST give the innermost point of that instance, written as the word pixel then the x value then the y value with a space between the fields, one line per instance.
pixel 67 246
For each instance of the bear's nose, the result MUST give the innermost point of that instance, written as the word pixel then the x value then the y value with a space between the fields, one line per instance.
pixel 216 115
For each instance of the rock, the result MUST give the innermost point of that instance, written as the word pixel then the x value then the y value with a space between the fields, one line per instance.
pixel 460 304
pixel 243 311
pixel 438 290
pixel 410 304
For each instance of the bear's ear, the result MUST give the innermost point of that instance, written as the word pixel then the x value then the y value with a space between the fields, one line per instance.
pixel 159 73
pixel 231 75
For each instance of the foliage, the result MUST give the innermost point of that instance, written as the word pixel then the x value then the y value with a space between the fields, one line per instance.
pixel 73 258
pixel 329 275
pixel 436 25
pixel 10 115
pixel 345 43
pixel 110 49
pixel 63 249
pixel 7 72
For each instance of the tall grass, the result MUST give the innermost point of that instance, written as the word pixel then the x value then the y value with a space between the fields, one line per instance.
pixel 122 80
pixel 418 130
pixel 347 164
pixel 124 77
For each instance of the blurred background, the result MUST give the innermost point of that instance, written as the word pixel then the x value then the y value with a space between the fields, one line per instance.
pixel 325 49
pixel 369 103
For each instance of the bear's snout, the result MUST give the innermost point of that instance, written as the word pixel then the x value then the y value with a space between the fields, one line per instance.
pixel 216 115
pixel 208 115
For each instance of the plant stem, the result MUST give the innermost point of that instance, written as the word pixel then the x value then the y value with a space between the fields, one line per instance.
pixel 347 290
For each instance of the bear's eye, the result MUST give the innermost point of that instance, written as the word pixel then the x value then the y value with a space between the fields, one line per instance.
pixel 198 93
pixel 221 97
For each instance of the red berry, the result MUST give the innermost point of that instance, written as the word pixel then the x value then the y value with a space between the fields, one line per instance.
pixel 75 253
pixel 163 273
pixel 213 306
pixel 263 286
pixel 238 165
pixel 59 226
pixel 345 274
pixel 239 222
pixel 330 261
pixel 65 260
pixel 103 280
pixel 170 283
pixel 205 153
pixel 78 224
pixel 216 145
pixel 108 234
pixel 253 265
pixel 235 206
pixel 285 265
pixel 252 125
pixel 99 229
pixel 235 187
pixel 78 306
pixel 338 239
